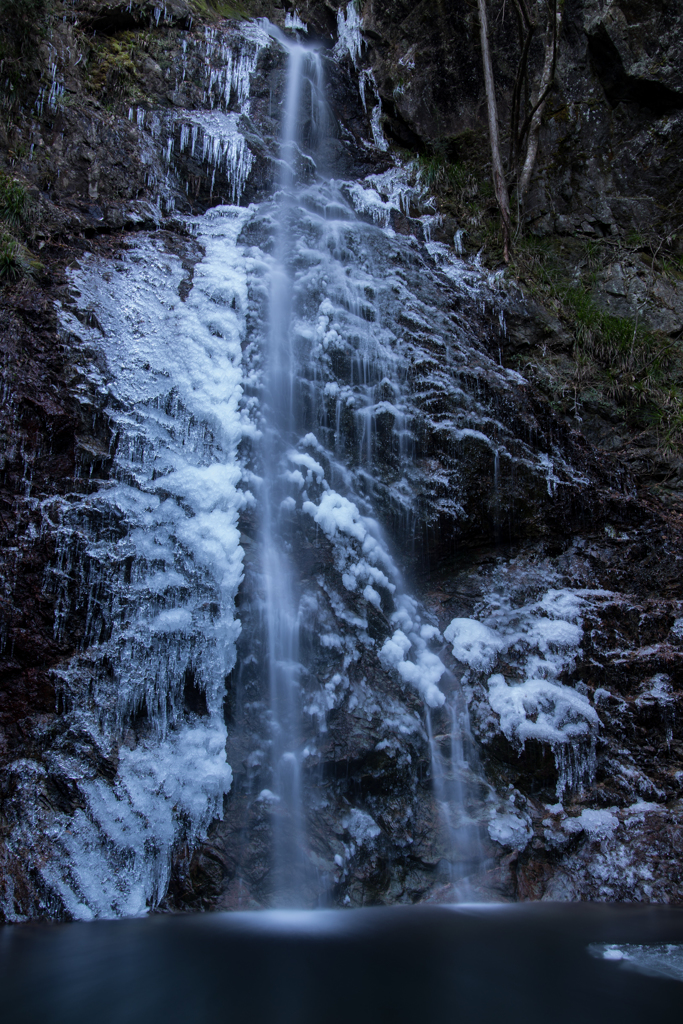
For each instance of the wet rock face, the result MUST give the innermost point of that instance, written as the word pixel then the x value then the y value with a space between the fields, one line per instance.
pixel 486 500
pixel 53 443
pixel 597 819
pixel 610 143
pixel 610 189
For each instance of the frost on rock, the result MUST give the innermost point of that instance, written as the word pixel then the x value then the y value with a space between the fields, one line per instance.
pixel 155 561
pixel 407 652
pixel 541 710
pixel 424 672
pixel 474 644
pixel 366 561
pixel 510 829
pixel 365 566
pixel 361 826
pixel 617 858
pixel 537 642
pixel 597 824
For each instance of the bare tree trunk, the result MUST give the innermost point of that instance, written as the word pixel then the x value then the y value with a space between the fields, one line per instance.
pixel 527 27
pixel 544 88
pixel 499 183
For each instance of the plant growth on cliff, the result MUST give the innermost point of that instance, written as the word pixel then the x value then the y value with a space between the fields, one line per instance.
pixel 13 201
pixel 15 212
pixel 617 362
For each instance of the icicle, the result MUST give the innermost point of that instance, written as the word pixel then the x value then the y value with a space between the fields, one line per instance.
pixel 349 38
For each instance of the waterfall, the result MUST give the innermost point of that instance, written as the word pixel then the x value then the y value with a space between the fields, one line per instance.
pixel 291 389
pixel 282 611
pixel 325 425
pixel 451 752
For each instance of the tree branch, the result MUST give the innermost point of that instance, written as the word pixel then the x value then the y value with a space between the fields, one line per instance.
pixel 522 69
pixel 533 121
pixel 547 77
pixel 499 182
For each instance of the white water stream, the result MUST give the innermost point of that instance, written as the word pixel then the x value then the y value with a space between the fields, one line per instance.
pixel 304 103
pixel 306 468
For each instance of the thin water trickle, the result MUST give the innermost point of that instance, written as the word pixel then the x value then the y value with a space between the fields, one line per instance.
pixel 451 781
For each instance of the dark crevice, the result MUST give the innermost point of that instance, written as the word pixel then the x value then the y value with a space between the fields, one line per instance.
pixel 194 697
pixel 397 129
pixel 125 17
pixel 623 88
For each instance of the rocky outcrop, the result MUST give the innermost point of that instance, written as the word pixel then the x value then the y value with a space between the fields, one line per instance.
pixel 604 200
pixel 610 140
pixel 614 836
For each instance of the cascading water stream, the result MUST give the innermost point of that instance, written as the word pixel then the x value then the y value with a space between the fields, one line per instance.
pixel 281 586
pixel 451 752
pixel 313 229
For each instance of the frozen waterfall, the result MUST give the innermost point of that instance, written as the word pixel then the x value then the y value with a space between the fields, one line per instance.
pixel 254 658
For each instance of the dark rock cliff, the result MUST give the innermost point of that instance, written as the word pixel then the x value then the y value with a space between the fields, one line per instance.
pixel 88 106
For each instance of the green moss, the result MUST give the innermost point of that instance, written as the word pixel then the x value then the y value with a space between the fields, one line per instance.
pixel 615 361
pixel 211 9
pixel 111 64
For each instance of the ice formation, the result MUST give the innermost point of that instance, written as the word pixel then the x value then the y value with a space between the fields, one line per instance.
pixel 422 669
pixel 215 135
pixel 349 38
pixel 510 829
pixel 172 567
pixel 293 21
pixel 361 826
pixel 223 60
pixel 658 960
pixel 538 643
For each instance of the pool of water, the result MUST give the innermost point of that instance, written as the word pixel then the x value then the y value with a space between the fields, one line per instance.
pixel 508 963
